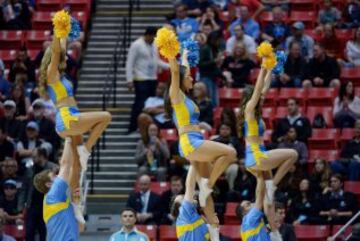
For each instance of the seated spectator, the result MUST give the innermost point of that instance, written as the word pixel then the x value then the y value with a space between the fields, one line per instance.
pixel 352 50
pixel 206 108
pixel 293 69
pixel 210 20
pixel 22 64
pixel 128 230
pixel 352 14
pixel 240 37
pixel 40 55
pixel 152 153
pixel 349 163
pixel 277 30
pixel 3 236
pixel 337 206
pixel 9 202
pixel 185 26
pixel 5 86
pixel 293 119
pixel 234 7
pixel 9 171
pixel 271 4
pixel 176 188
pixel 320 177
pixel 177 162
pixel 237 67
pixel 346 106
pixel 286 230
pixel 16 14
pixel 290 141
pixel 197 7
pixel 228 116
pixel 22 102
pixel 328 14
pixel 332 44
pixel 13 127
pixel 6 147
pixel 243 185
pixel 201 38
pixel 322 70
pixel 305 41
pixel 146 203
pixel 251 27
pixel 206 27
pixel 305 205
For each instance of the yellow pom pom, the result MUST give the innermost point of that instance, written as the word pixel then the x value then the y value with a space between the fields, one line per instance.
pixel 167 43
pixel 264 50
pixel 269 62
pixel 62 24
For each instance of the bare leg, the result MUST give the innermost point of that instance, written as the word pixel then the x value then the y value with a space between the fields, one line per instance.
pixel 75 170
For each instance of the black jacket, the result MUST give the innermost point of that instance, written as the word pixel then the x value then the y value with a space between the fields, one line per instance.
pixel 153 206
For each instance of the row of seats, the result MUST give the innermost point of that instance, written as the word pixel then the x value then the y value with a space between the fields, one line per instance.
pixel 43 20
pixel 303 232
pixel 54 5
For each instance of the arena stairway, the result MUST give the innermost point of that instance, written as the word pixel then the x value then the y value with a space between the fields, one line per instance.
pixel 117 174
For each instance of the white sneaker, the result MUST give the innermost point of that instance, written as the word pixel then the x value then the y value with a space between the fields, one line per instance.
pixel 205 191
pixel 84 155
pixel 214 233
pixel 270 191
pixel 78 211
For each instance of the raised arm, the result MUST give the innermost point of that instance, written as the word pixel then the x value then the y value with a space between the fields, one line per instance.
pixel 190 184
pixel 66 160
pixel 267 82
pixel 260 191
pixel 250 106
pixel 58 47
pixel 174 91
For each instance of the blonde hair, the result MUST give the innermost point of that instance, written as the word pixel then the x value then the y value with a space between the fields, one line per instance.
pixel 45 62
pixel 40 181
pixel 240 44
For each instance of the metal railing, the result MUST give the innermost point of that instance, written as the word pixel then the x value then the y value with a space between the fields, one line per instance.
pixel 343 229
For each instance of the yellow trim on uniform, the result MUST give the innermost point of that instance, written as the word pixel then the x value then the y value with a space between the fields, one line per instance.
pixel 258 154
pixel 67 117
pixel 49 210
pixel 207 237
pixel 185 143
pixel 182 229
pixel 251 232
pixel 59 90
pixel 182 114
pixel 253 127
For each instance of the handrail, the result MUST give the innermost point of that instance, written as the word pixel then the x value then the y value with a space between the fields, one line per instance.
pixel 341 230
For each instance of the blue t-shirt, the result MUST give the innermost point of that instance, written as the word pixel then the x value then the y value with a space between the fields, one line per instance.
pixel 185 28
pixel 251 27
pixel 253 227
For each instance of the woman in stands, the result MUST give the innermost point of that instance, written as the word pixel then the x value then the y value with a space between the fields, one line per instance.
pixel 251 126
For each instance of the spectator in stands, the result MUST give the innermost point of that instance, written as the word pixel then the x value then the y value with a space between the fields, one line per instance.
pixel 352 14
pixel 6 147
pixel 9 202
pixel 251 27
pixel 240 37
pixel 128 230
pixel 286 230
pixel 293 119
pixel 13 127
pixel 152 153
pixel 210 20
pixel 352 50
pixel 176 188
pixel 197 7
pixel 328 14
pixel 206 28
pixel 201 38
pixel 293 69
pixel 16 14
pixel 332 44
pixel 141 72
pixel 211 58
pixel 254 7
pixel 346 106
pixel 22 64
pixel 146 203
pixel 243 185
pixel 185 26
pixel 5 86
pixel 349 163
pixel 271 4
pixel 322 70
pixel 205 106
pixel 277 30
pixel 337 206
pixel 3 236
pixel 320 176
pixel 22 102
pixel 290 141
pixel 306 42
pixel 305 205
pixel 228 116
pixel 237 67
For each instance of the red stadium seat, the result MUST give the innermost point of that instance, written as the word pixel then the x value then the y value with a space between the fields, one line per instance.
pixel 321 96
pixel 267 136
pixel 324 139
pixel 230 97
pixel 11 39
pixel 327 155
pixel 42 20
pixel 307 17
pixel 170 135
pixel 15 231
pixel 33 53
pixel 326 112
pixel 282 112
pixel 344 34
pixel 271 97
pixel 351 186
pixel 313 33
pixel 266 17
pixel 48 5
pixel 312 232
pixel 268 115
pixel 350 74
pixel 230 214
pixel 79 5
pixel 156 187
pixel 286 93
pixel 35 39
pixel 167 233
pixel 231 231
pixel 346 135
pixel 357 91
pixel 253 75
pixel 217 116
pixel 303 5
pixel 205 133
pixel 150 230
pixel 345 234
pixel 8 56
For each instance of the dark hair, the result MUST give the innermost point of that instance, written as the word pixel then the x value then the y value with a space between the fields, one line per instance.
pixel 240 212
pixel 2 127
pixel 175 179
pixel 294 99
pixel 319 45
pixel 279 205
pixel 248 92
pixel 213 37
pixel 181 5
pixel 354 36
pixel 174 207
pixel 294 42
pixel 228 117
pixel 337 176
pixel 41 152
pixel 150 31
pixel 146 137
pixel 128 209
pixel 342 91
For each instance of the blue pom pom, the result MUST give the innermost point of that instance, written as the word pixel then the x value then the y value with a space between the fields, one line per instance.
pixel 281 59
pixel 193 51
pixel 75 29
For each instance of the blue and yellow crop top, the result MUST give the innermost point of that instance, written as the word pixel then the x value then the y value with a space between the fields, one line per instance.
pixel 60 89
pixel 253 127
pixel 185 113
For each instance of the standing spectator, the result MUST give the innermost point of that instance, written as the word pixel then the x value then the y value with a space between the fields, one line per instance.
pixel 328 14
pixel 16 14
pixel 352 50
pixel 6 147
pixel 352 14
pixel 237 67
pixel 185 26
pixel 12 126
pixel 9 202
pixel 293 119
pixel 240 37
pixel 152 153
pixel 293 69
pixel 346 106
pixel 349 163
pixel 128 230
pixel 206 108
pixel 210 19
pixel 176 188
pixel 22 102
pixel 234 7
pixel 271 4
pixel 337 206
pixel 5 86
pixel 320 177
pixel 306 42
pixel 3 236
pixel 146 203
pixel 322 70
pixel 277 30
pixel 251 27
pixel 286 230
pixel 22 64
pixel 332 44
pixel 141 72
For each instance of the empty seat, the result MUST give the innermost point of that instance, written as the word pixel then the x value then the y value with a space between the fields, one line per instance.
pixel 33 53
pixel 344 34
pixel 170 135
pixel 357 91
pixel 352 186
pixel 326 112
pixel 150 230
pixel 217 116
pixel 303 5
pixel 312 232
pixel 268 115
pixel 313 33
pixel 267 136
pixel 307 17
pixel 286 93
pixel 15 231
pixel 11 39
pixel 35 39
pixel 253 75
pixel 42 20
pixel 156 187
pixel 350 74
pixel 230 214
pixel 324 139
pixel 167 233
pixel 231 231
pixel 321 96
pixel 48 5
pixel 8 56
pixel 346 135
pixel 230 97
pixel 79 5
pixel 271 97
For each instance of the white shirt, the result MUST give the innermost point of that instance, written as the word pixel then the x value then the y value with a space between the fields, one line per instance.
pixel 144 200
pixel 156 101
pixel 292 119
pixel 143 61
pixel 248 41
